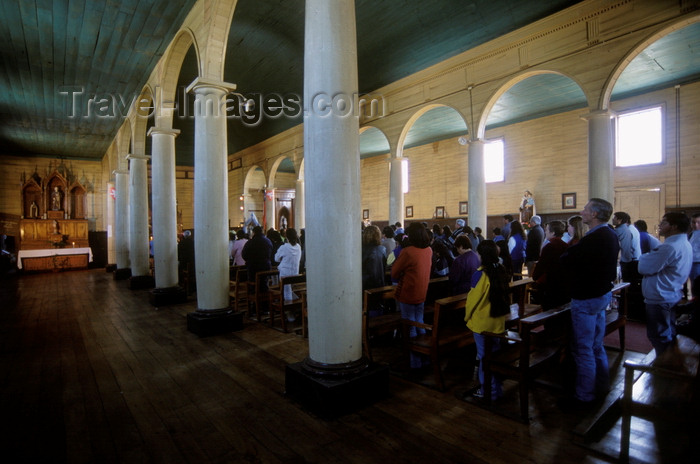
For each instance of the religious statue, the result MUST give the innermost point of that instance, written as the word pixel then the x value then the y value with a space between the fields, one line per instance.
pixel 34 210
pixel 56 228
pixel 527 207
pixel 251 222
pixel 56 199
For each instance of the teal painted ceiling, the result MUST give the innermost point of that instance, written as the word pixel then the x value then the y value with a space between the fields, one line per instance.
pixel 51 51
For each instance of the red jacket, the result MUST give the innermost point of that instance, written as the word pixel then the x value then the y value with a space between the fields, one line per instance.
pixel 412 270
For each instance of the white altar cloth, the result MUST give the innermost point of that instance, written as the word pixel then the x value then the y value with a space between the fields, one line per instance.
pixel 52 252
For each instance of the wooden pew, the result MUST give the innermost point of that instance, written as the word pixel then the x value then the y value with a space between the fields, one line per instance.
pixel 377 325
pixel 278 304
pixel 389 322
pixel 616 315
pixel 668 389
pixel 520 294
pixel 259 295
pixel 526 354
pixel 447 332
pixel 238 290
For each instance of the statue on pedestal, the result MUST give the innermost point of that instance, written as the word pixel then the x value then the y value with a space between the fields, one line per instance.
pixel 34 210
pixel 56 199
pixel 527 207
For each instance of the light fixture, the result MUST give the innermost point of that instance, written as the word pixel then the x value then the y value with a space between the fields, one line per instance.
pixel 248 103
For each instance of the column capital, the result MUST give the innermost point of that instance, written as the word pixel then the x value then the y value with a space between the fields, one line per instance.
pixel 120 171
pixel 163 130
pixel 598 114
pixel 204 83
pixel 131 156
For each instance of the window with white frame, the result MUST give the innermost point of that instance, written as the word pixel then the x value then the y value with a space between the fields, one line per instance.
pixel 494 170
pixel 639 137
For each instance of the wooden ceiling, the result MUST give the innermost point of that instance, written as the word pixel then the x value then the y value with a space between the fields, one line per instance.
pixel 55 54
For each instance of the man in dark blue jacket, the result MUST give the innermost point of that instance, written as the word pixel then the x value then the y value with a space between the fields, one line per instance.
pixel 257 253
pixel 591 267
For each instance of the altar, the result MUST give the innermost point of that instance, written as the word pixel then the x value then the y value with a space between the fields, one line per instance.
pixel 53 259
pixel 53 218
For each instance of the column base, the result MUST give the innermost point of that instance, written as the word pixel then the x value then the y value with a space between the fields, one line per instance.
pixel 215 322
pixel 110 268
pixel 122 274
pixel 141 282
pixel 167 296
pixel 331 396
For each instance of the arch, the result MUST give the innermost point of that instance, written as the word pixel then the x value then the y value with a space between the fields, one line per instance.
pixel 141 117
pixel 414 118
pixel 124 145
pixel 254 184
pixel 372 141
pixel 173 60
pixel 301 170
pixel 217 16
pixel 609 85
pixel 275 169
pixel 508 85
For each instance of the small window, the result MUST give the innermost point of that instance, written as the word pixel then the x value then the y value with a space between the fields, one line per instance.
pixel 639 139
pixel 493 161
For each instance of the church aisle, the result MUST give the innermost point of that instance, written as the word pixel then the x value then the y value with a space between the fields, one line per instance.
pixel 91 372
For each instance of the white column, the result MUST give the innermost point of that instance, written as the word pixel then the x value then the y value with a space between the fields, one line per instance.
pixel 332 174
pixel 299 211
pixel 138 215
pixel 164 210
pixel 121 219
pixel 269 209
pixel 477 185
pixel 109 222
pixel 600 156
pixel 210 192
pixel 396 203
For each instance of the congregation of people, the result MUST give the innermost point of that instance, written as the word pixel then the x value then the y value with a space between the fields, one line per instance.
pixel 574 262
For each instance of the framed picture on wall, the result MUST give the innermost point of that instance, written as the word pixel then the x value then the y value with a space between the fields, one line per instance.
pixel 439 212
pixel 409 211
pixel 568 200
pixel 463 208
pixel 365 214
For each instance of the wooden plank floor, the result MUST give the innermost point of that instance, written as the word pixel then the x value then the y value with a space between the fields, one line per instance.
pixel 91 372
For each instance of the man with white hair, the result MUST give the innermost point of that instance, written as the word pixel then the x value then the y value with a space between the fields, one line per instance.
pixel 535 237
pixel 459 230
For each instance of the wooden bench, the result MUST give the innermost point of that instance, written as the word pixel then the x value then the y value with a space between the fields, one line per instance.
pixel 525 355
pixel 520 295
pixel 255 288
pixel 616 315
pixel 447 332
pixel 377 325
pixel 391 320
pixel 668 389
pixel 278 304
pixel 238 287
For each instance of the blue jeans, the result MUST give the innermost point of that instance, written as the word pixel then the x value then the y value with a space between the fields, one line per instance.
pixel 414 312
pixel 496 383
pixel 661 325
pixel 588 330
pixel 694 272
